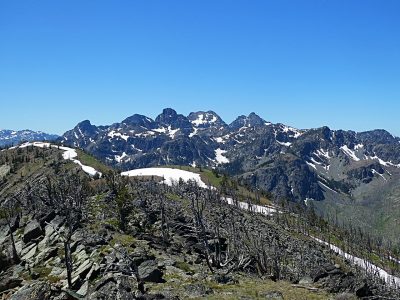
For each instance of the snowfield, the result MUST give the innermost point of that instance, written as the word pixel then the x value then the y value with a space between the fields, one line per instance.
pixel 265 210
pixel 69 154
pixel 170 175
pixel 366 265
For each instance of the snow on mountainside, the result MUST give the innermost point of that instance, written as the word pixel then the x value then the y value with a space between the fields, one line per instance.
pixel 294 164
pixel 12 137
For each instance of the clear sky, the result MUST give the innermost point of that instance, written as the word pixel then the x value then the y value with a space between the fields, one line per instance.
pixel 305 63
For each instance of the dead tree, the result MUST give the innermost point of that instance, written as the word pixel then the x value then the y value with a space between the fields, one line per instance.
pixel 67 195
pixel 8 212
pixel 198 206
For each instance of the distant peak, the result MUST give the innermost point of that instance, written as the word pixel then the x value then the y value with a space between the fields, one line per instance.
pixel 169 112
pixel 252 120
pixel 84 123
pixel 205 119
pixel 137 119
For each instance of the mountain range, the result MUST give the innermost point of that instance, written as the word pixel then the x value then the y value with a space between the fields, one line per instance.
pixel 350 175
pixel 13 137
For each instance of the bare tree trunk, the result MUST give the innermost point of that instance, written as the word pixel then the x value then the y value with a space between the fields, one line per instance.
pixel 15 255
pixel 68 262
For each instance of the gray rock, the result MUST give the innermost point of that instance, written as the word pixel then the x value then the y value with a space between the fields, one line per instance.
pixel 364 291
pixel 197 290
pixel 83 269
pixel 39 290
pixel 273 295
pixel 149 271
pixel 25 250
pixel 83 290
pixel 7 281
pixel 306 280
pixel 30 254
pixel 32 231
pixel 46 254
pixel 5 261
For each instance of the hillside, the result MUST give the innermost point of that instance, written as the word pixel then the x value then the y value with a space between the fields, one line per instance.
pixel 113 237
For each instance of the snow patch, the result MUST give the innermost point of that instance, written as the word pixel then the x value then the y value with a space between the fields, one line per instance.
pixel 170 176
pixel 219 140
pixel 376 172
pixel 311 165
pixel 366 265
pixel 119 158
pixel 287 144
pixel 327 187
pixel 265 210
pixel 202 119
pixel 113 134
pixel 349 153
pixel 219 156
pixel 382 162
pixel 193 133
pixel 322 152
pixel 160 130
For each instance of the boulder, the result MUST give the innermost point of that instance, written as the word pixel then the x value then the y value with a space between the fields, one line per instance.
pixel 114 285
pixel 32 231
pixel 273 295
pixel 38 290
pixel 83 290
pixel 306 280
pixel 8 281
pixel 364 291
pixel 149 272
pixel 197 290
pixel 5 261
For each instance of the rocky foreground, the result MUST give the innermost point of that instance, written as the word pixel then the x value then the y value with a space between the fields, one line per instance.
pixel 65 236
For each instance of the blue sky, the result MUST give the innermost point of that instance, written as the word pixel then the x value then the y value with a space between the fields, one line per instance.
pixel 304 63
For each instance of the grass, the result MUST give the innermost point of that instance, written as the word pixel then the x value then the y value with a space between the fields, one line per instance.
pixel 206 175
pixel 210 177
pixel 258 289
pixel 42 271
pixel 248 288
pixel 123 240
pixel 183 266
pixel 89 160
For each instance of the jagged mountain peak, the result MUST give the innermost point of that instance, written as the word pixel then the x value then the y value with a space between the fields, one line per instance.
pixel 205 119
pixel 139 120
pixel 252 120
pixel 169 117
